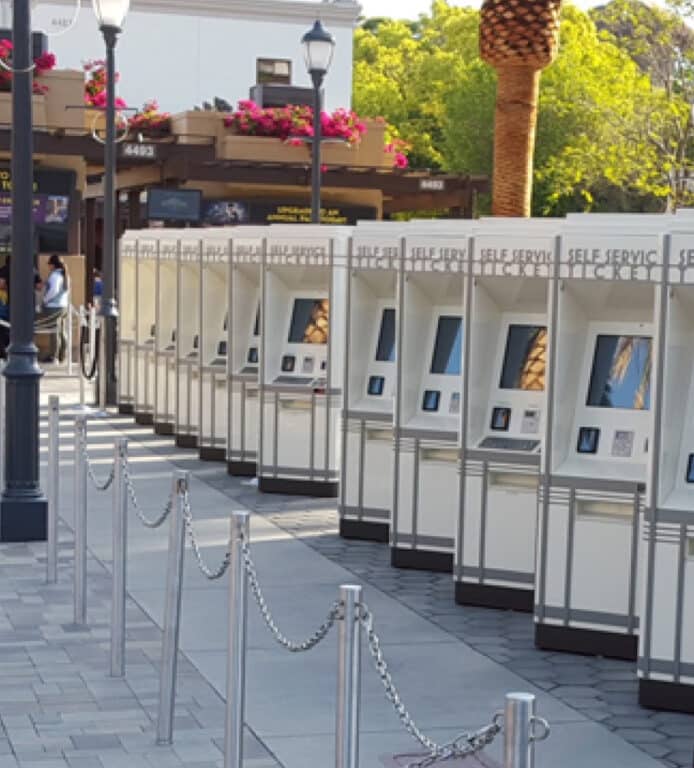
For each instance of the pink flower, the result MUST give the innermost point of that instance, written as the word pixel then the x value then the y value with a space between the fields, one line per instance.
pixel 400 160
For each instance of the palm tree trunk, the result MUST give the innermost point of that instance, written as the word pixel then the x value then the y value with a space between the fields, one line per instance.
pixel 514 139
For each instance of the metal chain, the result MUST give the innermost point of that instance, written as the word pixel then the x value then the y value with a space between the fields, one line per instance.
pixel 292 647
pixel 206 571
pixel 464 745
pixel 100 485
pixel 133 498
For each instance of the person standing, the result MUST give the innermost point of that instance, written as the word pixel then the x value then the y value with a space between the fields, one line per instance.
pixel 54 308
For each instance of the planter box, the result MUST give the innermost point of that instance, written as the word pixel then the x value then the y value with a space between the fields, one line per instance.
pixel 369 153
pixel 38 107
pixel 65 89
pixel 198 126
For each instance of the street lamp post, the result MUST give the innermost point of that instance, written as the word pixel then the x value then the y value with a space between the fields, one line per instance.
pixel 23 507
pixel 110 15
pixel 319 46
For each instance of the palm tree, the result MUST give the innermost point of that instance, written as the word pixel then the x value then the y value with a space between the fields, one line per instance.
pixel 518 38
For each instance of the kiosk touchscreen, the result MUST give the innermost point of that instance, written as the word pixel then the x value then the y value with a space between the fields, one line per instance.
pixel 666 636
pixel 598 437
pixel 127 323
pixel 145 326
pixel 505 407
pixel 165 336
pixel 243 422
pixel 428 399
pixel 188 339
pixel 214 321
pixel 302 345
pixel 366 490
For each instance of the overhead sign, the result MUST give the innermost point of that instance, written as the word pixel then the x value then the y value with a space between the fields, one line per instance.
pixel 171 205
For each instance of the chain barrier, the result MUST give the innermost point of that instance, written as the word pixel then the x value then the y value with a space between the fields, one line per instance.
pixel 209 573
pixel 157 521
pixel 463 746
pixel 100 485
pixel 293 647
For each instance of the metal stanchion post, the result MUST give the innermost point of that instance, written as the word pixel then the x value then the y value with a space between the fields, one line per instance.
pixel 70 313
pixel 172 611
pixel 80 496
pixel 3 437
pixel 236 657
pixel 519 746
pixel 102 375
pixel 120 553
pixel 348 680
pixel 53 488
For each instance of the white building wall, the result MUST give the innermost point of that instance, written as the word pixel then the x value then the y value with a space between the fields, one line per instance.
pixel 184 52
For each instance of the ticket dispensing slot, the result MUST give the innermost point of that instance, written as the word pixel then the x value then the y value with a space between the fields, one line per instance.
pixel 127 324
pixel 243 352
pixel 188 343
pixel 428 401
pixel 666 636
pixel 212 390
pixel 165 339
pixel 300 363
pixel 506 406
pixel 145 315
pixel 366 492
pixel 599 438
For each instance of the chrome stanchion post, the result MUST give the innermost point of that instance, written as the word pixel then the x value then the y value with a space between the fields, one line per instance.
pixel 519 742
pixel 172 611
pixel 120 552
pixel 236 657
pixel 348 680
pixel 80 496
pixel 53 488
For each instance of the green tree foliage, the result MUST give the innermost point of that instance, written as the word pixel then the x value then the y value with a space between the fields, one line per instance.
pixel 614 122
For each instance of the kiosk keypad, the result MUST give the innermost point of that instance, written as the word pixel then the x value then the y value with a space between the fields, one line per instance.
pixel 510 444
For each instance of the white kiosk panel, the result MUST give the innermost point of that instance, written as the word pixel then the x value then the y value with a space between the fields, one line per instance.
pixel 165 337
pixel 145 328
pixel 606 305
pixel 127 323
pixel 370 373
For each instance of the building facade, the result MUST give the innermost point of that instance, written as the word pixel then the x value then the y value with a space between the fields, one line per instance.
pixel 186 52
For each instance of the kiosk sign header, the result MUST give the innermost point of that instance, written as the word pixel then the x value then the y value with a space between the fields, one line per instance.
pixel 146 249
pixel 246 251
pixel 681 266
pixel 375 254
pixel 507 257
pixel 168 249
pixel 190 251
pixel 612 257
pixel 436 254
pixel 302 253
pixel 216 252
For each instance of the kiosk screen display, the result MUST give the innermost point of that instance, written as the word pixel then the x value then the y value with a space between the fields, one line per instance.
pixel 690 468
pixel 448 347
pixel 385 351
pixel 309 322
pixel 588 439
pixel 256 325
pixel 376 385
pixel 621 375
pixel 525 358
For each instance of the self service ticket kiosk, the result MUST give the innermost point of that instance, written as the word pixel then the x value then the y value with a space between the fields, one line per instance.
pixel 212 347
pixel 302 346
pixel 366 489
pixel 243 414
pixel 504 412
pixel 126 325
pixel 166 329
pixel 428 398
pixel 145 326
pixel 666 642
pixel 604 323
pixel 188 339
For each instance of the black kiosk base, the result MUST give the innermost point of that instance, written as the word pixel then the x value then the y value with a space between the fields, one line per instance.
pixel 590 642
pixel 364 530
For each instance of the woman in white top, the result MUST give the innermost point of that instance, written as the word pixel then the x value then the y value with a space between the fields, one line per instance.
pixel 54 308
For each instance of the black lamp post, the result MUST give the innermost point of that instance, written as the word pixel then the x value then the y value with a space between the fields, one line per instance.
pixel 319 46
pixel 110 15
pixel 23 507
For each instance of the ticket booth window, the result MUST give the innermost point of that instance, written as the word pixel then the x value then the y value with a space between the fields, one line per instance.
pixel 273 71
pixel 621 374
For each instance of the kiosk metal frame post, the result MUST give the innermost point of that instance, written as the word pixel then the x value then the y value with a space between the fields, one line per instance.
pixel 128 320
pixel 145 328
pixel 165 333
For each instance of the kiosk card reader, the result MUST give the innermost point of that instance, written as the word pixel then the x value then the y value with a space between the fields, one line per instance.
pixel 428 397
pixel 145 326
pixel 188 339
pixel 243 347
pixel 504 413
pixel 604 324
pixel 302 345
pixel 127 323
pixel 666 637
pixel 366 490
pixel 214 320
pixel 165 337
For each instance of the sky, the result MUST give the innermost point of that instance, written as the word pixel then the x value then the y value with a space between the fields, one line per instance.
pixel 410 9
